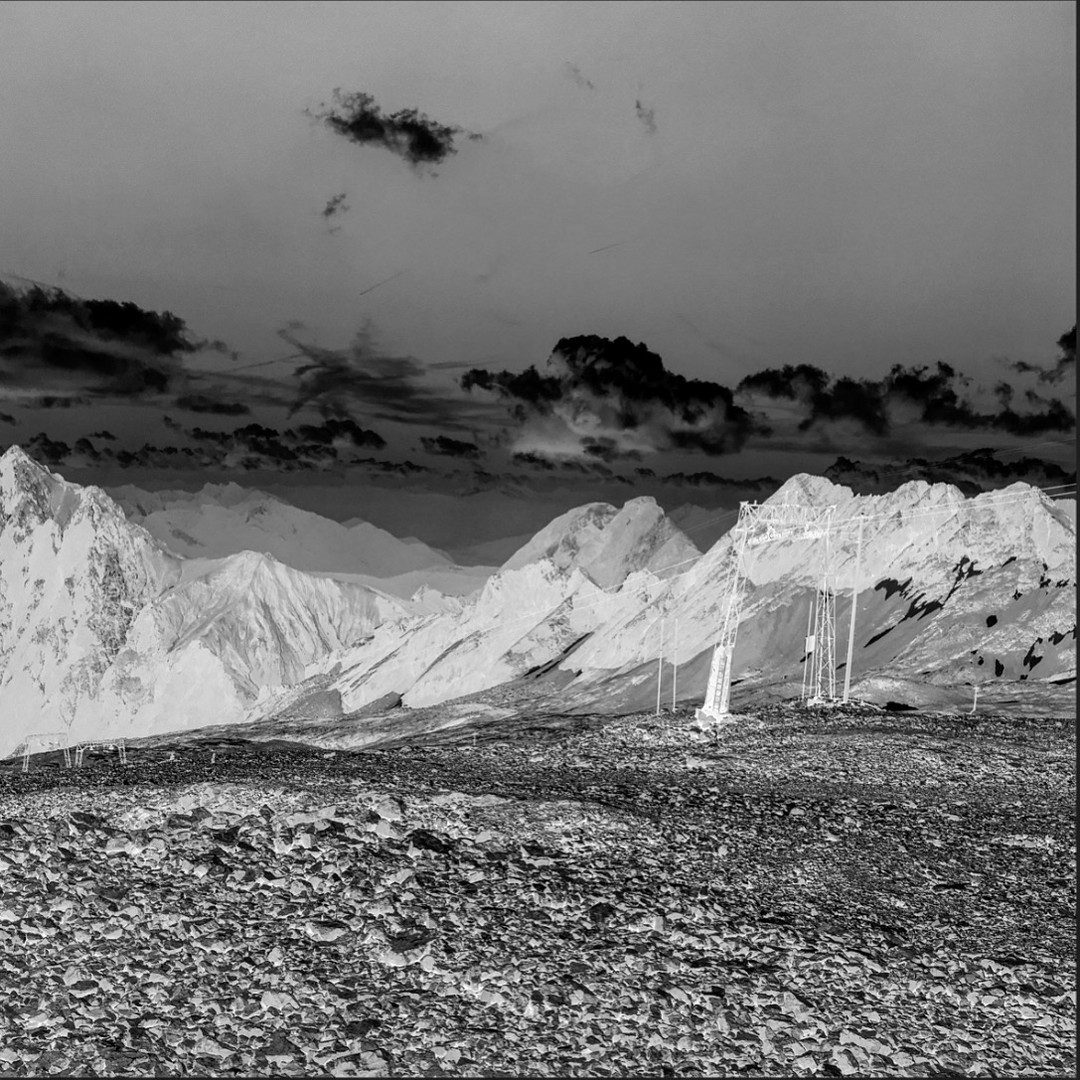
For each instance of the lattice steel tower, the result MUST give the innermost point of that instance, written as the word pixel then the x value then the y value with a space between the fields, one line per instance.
pixel 760 524
pixel 819 668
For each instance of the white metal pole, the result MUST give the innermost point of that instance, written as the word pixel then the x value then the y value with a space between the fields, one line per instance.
pixel 731 620
pixel 659 666
pixel 809 651
pixel 674 664
pixel 851 625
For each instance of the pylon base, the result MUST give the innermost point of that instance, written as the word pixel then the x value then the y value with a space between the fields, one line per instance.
pixel 711 716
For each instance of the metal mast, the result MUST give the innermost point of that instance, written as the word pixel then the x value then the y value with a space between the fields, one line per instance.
pixel 718 693
pixel 758 524
pixel 854 602
pixel 822 646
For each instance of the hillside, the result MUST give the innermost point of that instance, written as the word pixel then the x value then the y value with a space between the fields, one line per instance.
pixel 951 591
pixel 103 630
pixel 587 566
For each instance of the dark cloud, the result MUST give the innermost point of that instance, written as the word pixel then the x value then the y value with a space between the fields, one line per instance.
pixel 1067 361
pixel 307 442
pixel 253 446
pixel 575 73
pixel 161 332
pixel 53 401
pixel 51 452
pixel 973 472
pixel 1024 368
pixel 393 468
pixel 59 350
pixel 647 116
pixel 409 134
pixel 934 391
pixel 335 206
pixel 932 396
pixel 608 449
pixel 1055 417
pixel 385 387
pixel 103 434
pixel 763 484
pixel 535 461
pixel 1065 365
pixel 339 431
pixel 798 382
pixel 200 403
pixel 443 445
pixel 219 346
pixel 6 418
pixel 523 391
pixel 613 400
pixel 825 399
pixel 850 398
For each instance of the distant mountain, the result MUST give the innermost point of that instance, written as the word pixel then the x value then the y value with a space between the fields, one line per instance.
pixel 703 526
pixel 491 552
pixel 224 519
pixel 588 565
pixel 102 629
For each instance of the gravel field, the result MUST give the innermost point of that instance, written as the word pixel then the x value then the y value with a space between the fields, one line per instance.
pixel 805 892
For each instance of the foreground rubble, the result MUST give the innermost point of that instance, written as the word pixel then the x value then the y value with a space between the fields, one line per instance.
pixel 843 892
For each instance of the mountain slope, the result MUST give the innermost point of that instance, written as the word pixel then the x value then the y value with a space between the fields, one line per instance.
pixel 74 573
pixel 104 631
pixel 586 566
pixel 608 543
pixel 950 590
pixel 224 519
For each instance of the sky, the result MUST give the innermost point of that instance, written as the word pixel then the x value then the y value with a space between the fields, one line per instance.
pixel 823 229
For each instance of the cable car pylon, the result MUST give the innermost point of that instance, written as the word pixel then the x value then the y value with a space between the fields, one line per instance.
pixel 759 524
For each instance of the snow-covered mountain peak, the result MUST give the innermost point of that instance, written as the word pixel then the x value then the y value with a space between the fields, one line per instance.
pixel 607 543
pixel 819 492
pixel 563 537
pixel 919 530
pixel 32 498
pixel 28 493
pixel 103 630
pixel 804 489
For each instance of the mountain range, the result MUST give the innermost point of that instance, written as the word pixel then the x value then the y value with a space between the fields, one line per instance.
pixel 136 613
pixel 224 519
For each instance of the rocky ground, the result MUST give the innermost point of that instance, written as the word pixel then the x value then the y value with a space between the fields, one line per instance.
pixel 844 892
